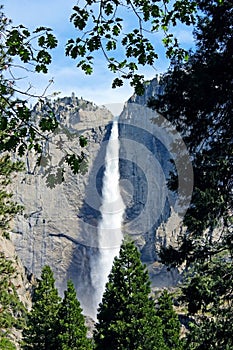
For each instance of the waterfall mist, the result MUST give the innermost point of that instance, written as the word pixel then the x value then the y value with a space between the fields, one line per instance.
pixel 109 227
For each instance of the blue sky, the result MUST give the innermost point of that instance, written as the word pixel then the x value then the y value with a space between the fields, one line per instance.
pixel 67 77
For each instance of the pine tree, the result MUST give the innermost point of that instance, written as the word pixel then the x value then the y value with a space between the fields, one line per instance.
pixel 170 322
pixel 126 317
pixel 40 333
pixel 71 323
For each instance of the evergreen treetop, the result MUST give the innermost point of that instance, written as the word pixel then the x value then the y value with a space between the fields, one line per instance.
pixel 71 330
pixel 170 322
pixel 126 317
pixel 40 333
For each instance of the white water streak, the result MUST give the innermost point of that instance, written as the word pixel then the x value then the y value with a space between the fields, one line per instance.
pixel 109 228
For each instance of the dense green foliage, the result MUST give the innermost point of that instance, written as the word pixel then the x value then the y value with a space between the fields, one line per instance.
pixel 40 333
pixel 52 323
pixel 208 294
pixel 126 317
pixel 6 344
pixel 198 99
pixel 71 324
pixel 170 322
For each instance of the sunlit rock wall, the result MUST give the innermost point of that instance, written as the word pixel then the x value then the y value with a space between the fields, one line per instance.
pixel 153 215
pixel 59 224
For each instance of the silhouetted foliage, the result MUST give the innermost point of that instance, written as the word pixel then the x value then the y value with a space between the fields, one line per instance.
pixel 20 132
pixel 198 99
pixel 101 27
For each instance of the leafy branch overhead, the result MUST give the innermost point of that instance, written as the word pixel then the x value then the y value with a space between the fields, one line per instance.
pixel 123 31
pixel 19 40
pixel 20 130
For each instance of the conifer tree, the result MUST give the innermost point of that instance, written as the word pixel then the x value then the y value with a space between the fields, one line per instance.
pixel 170 322
pixel 71 323
pixel 40 333
pixel 198 100
pixel 126 317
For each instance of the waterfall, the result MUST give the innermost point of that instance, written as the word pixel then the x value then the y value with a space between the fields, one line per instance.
pixel 109 227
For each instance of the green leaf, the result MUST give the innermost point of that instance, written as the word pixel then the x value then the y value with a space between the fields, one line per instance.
pixel 41 41
pixel 51 41
pixel 117 82
pixel 3 123
pixel 86 67
pixel 108 9
pixel 76 162
pixel 41 29
pixel 26 33
pixel 21 150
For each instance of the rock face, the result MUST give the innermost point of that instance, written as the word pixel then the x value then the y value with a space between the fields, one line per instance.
pixel 152 215
pixel 59 224
pixel 152 89
pixel 58 227
pixel 151 149
pixel 22 281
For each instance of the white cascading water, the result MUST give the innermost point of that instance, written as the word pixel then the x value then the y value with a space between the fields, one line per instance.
pixel 109 227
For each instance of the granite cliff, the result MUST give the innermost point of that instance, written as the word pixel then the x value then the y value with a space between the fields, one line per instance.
pixel 20 284
pixel 59 223
pixel 58 226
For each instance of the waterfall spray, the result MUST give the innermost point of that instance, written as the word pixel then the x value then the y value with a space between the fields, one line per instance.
pixel 109 228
